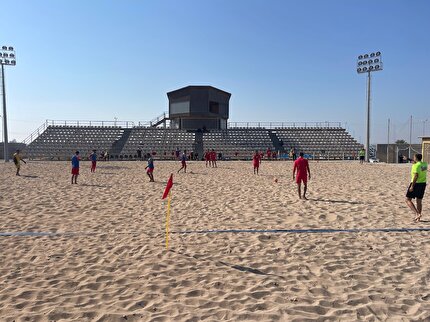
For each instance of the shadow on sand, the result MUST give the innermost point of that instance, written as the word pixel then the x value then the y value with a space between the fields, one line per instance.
pixel 338 201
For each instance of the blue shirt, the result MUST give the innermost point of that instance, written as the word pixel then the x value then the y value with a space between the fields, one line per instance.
pixel 75 161
pixel 150 163
pixel 93 157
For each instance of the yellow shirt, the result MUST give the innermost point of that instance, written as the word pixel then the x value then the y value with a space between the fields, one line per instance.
pixel 419 168
pixel 16 158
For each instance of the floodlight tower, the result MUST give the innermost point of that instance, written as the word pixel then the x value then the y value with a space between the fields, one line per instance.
pixel 7 57
pixel 368 63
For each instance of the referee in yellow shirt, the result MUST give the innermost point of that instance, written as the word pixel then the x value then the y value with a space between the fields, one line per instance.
pixel 417 186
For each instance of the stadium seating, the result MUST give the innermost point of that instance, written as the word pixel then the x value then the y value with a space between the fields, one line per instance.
pixel 58 142
pixel 159 140
pixel 323 143
pixel 237 143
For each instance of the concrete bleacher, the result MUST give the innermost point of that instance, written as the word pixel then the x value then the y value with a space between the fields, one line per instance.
pixel 162 141
pixel 324 143
pixel 59 142
pixel 237 143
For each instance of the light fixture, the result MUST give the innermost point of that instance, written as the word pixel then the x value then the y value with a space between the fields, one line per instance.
pixel 7 58
pixel 370 65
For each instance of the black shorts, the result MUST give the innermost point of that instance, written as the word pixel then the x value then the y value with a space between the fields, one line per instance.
pixel 361 157
pixel 419 189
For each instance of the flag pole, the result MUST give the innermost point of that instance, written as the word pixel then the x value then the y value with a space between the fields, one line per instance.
pixel 168 219
pixel 167 193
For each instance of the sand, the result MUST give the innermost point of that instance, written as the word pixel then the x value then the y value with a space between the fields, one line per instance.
pixel 108 260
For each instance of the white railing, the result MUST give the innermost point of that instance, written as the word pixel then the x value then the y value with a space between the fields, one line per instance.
pixel 35 134
pixel 122 124
pixel 162 117
pixel 276 125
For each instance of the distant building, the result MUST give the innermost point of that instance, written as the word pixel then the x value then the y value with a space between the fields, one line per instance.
pixel 425 142
pixel 198 107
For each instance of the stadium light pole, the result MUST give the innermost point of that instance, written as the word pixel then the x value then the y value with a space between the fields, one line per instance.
pixel 7 58
pixel 368 63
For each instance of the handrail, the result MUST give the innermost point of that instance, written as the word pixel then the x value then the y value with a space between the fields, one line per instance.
pixel 122 124
pixel 159 118
pixel 276 125
pixel 35 133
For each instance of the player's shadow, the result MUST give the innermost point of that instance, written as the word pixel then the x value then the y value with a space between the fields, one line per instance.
pixel 93 185
pixel 111 167
pixel 28 176
pixel 245 269
pixel 273 175
pixel 337 201
pixel 232 266
pixel 163 183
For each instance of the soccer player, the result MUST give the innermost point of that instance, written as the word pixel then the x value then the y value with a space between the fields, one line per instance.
pixel 183 162
pixel 213 158
pixel 256 161
pixel 75 167
pixel 208 158
pixel 17 160
pixel 268 153
pixel 93 158
pixel 150 168
pixel 362 154
pixel 417 186
pixel 302 167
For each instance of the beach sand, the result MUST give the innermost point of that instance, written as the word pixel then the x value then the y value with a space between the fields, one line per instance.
pixel 108 260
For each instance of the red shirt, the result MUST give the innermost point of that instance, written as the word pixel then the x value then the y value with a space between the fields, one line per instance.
pixel 256 160
pixel 301 164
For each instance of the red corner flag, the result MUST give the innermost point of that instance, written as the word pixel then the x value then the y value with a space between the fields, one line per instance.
pixel 168 186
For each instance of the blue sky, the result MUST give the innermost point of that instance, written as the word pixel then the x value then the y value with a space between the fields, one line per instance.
pixel 281 60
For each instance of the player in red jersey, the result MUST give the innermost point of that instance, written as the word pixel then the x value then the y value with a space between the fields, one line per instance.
pixel 213 158
pixel 302 167
pixel 207 158
pixel 256 161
